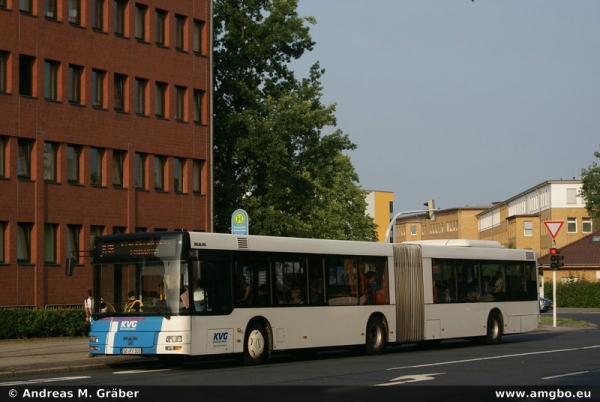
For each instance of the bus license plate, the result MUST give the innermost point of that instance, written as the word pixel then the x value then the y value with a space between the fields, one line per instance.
pixel 132 351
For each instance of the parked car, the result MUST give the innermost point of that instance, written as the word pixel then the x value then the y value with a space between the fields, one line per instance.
pixel 545 304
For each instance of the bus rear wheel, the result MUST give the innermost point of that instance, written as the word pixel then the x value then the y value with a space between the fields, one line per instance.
pixel 256 346
pixel 376 340
pixel 494 330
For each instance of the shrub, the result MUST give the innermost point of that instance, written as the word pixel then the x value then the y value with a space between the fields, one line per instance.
pixel 19 323
pixel 580 293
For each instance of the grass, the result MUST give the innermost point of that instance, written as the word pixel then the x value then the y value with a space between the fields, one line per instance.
pixel 565 322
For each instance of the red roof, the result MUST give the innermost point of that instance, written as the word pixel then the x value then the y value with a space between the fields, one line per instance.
pixel 585 251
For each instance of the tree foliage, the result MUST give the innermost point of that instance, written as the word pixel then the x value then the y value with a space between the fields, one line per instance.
pixel 270 156
pixel 590 188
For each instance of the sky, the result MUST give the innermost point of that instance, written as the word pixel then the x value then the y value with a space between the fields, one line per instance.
pixel 464 102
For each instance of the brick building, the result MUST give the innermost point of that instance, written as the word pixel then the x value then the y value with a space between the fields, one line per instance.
pixel 104 128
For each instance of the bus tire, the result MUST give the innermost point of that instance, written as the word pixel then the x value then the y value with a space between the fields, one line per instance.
pixel 376 336
pixel 494 330
pixel 256 345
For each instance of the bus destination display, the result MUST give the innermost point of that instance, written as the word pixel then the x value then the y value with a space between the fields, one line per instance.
pixel 152 247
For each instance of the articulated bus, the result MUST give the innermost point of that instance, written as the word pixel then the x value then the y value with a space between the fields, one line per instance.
pixel 179 294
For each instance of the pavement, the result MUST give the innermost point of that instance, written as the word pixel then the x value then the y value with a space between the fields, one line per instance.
pixel 21 357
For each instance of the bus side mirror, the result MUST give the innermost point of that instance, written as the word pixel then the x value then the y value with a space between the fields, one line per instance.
pixel 69 266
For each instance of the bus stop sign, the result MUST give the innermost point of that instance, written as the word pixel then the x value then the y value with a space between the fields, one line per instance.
pixel 239 222
pixel 553 227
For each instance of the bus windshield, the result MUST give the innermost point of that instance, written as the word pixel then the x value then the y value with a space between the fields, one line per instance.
pixel 141 276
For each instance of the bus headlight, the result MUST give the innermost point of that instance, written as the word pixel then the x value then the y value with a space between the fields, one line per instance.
pixel 174 338
pixel 93 339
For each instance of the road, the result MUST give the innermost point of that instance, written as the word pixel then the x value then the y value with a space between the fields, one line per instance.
pixel 544 359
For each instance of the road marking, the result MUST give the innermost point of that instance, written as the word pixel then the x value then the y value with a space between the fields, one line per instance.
pixel 492 358
pixel 39 380
pixel 139 371
pixel 409 378
pixel 564 375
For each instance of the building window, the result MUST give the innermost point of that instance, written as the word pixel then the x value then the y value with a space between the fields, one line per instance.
pixel 198 27
pixel 120 15
pixel 73 233
pixel 50 243
pixel 95 231
pixel 586 225
pixel 180 103
pixel 160 99
pixel 140 171
pixel 3 142
pixel 197 176
pixel 73 154
pixel 120 88
pixel 140 22
pixel 98 88
pixel 140 96
pixel 24 161
pixel 26 64
pixel 160 28
pixel 75 12
pixel 50 161
pixel 75 73
pixel 2 241
pixel 119 230
pixel 571 225
pixel 24 242
pixel 178 175
pixel 51 79
pixel 179 32
pixel 2 5
pixel 50 9
pixel 96 171
pixel 4 71
pixel 98 14
pixel 413 230
pixel 198 98
pixel 118 163
pixel 528 228
pixel 571 196
pixel 159 172
pixel 25 6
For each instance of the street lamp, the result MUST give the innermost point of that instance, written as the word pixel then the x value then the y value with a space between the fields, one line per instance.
pixel 430 208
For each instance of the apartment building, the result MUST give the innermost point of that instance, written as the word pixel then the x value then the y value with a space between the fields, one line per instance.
pixel 451 223
pixel 519 221
pixel 380 207
pixel 104 128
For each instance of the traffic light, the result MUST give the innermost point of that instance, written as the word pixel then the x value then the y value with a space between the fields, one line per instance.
pixel 541 270
pixel 556 259
pixel 431 209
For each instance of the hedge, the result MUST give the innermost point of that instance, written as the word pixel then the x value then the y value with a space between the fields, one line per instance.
pixel 19 323
pixel 580 294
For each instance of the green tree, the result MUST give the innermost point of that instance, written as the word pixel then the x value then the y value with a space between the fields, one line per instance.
pixel 270 156
pixel 590 188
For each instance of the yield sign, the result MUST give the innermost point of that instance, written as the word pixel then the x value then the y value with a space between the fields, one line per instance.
pixel 553 227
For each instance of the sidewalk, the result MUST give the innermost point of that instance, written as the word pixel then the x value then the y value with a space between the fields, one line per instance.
pixel 64 355
pixel 54 355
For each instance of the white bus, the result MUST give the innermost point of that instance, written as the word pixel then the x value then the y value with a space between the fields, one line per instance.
pixel 180 294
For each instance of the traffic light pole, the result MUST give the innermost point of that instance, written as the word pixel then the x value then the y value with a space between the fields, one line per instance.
pixel 555 305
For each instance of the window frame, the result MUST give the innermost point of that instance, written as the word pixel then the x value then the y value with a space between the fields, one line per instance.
pixel 98 88
pixel 180 93
pixel 4 65
pixel 160 27
pixel 50 10
pixel 118 178
pixel 198 37
pixel 120 16
pixel 50 158
pixel 50 231
pixel 141 13
pixel 26 69
pixel 97 166
pixel 160 163
pixel 2 242
pixel 75 75
pixel 51 74
pixel 141 86
pixel 26 6
pixel 571 225
pixel 197 169
pixel 586 225
pixel 25 147
pixel 98 15
pixel 528 228
pixel 179 175
pixel 75 12
pixel 24 242
pixel 179 37
pixel 140 171
pixel 198 104
pixel 160 99
pixel 120 92
pixel 3 144
pixel 73 241
pixel 73 164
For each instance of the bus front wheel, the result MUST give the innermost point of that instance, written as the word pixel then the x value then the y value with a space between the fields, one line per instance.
pixel 375 342
pixel 494 330
pixel 256 347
